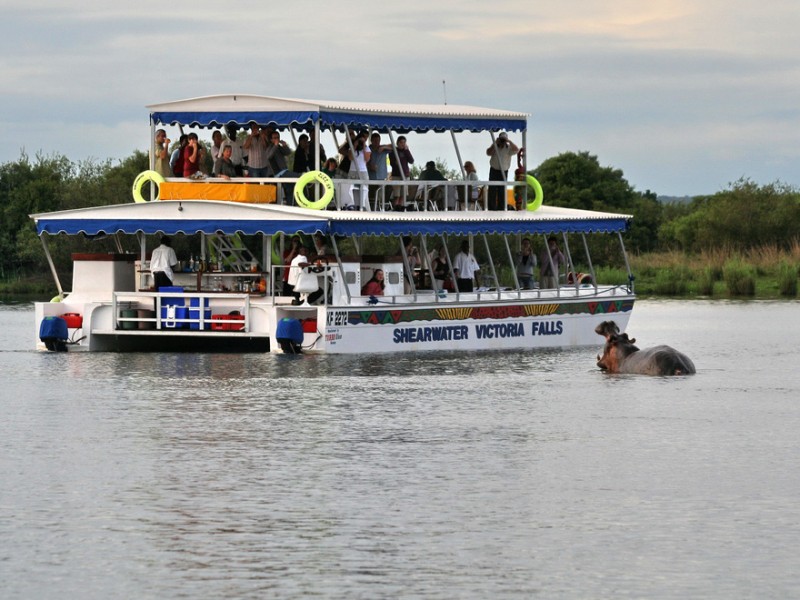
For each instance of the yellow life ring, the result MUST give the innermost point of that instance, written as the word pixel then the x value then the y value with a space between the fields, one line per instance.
pixel 141 179
pixel 535 188
pixel 305 179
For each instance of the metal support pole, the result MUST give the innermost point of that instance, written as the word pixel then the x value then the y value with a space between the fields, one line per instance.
pixel 341 268
pixel 570 263
pixel 627 264
pixel 513 265
pixel 408 269
pixel 52 266
pixel 399 165
pixel 491 264
pixel 589 260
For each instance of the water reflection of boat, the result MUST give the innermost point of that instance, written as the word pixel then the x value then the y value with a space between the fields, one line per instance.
pixel 112 306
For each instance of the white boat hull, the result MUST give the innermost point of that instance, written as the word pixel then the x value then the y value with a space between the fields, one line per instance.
pixel 505 323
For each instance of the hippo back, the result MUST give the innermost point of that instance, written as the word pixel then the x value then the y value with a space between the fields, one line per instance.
pixel 659 360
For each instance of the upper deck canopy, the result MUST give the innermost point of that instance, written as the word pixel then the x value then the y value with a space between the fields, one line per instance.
pixel 208 216
pixel 243 109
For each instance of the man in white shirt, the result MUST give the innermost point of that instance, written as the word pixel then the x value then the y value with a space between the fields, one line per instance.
pixel 298 262
pixel 161 262
pixel 466 268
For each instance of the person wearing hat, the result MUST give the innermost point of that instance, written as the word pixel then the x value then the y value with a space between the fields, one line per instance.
pixel 500 154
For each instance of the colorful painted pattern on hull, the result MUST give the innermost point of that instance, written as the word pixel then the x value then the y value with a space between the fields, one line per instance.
pixel 394 317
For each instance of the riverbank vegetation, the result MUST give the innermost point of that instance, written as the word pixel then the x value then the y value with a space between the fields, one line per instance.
pixel 741 242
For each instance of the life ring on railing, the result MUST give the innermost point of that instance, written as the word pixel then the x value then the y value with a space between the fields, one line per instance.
pixel 535 188
pixel 305 179
pixel 141 179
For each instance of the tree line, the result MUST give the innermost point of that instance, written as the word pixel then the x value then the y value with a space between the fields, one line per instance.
pixel 743 216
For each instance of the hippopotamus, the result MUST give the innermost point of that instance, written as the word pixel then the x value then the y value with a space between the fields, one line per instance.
pixel 607 329
pixel 620 355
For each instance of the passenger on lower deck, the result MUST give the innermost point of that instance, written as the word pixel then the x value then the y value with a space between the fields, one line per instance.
pixel 466 268
pixel 375 286
pixel 526 262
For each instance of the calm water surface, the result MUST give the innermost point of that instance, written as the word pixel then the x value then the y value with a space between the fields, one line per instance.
pixel 505 475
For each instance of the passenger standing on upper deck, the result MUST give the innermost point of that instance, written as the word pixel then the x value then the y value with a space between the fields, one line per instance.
pixel 359 157
pixel 377 166
pixel 500 154
pixel 162 261
pixel 401 169
pixel 277 152
pixel 162 154
pixel 466 268
pixel 256 144
pixel 176 160
pixel 216 142
pixel 192 156
pixel 302 155
pixel 237 149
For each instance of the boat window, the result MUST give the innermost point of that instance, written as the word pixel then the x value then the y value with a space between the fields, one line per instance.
pixel 393 277
pixel 350 277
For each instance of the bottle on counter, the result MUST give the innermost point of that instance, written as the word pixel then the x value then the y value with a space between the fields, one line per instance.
pixel 191 263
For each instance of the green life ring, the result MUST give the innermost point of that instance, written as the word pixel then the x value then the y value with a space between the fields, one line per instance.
pixel 305 179
pixel 535 188
pixel 141 179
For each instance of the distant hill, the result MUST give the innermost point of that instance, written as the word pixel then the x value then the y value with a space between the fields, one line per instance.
pixel 674 199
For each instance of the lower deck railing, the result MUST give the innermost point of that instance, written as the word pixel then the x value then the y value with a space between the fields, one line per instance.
pixel 159 311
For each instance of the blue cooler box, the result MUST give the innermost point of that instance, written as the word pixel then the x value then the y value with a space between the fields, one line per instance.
pixel 173 308
pixel 194 313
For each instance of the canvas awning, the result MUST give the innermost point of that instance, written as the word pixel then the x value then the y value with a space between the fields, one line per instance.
pixel 209 217
pixel 242 109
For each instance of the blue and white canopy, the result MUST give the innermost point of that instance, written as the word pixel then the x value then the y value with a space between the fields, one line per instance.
pixel 207 216
pixel 243 109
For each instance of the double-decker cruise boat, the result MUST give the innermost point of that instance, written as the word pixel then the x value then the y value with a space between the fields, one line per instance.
pixel 241 226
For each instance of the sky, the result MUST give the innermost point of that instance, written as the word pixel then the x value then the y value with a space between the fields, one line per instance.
pixel 684 96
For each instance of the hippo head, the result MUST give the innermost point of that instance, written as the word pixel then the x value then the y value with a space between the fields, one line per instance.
pixel 607 329
pixel 618 347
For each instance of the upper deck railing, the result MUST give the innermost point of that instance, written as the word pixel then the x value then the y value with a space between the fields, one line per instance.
pixel 392 195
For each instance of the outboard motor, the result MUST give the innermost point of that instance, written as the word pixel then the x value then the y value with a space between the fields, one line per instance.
pixel 289 335
pixel 53 332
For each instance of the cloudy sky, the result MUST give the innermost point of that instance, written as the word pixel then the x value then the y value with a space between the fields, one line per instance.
pixel 685 96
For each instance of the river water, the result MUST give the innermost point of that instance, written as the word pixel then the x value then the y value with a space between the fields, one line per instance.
pixel 500 475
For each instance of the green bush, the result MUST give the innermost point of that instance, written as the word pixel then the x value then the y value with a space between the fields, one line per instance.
pixel 740 278
pixel 706 280
pixel 671 282
pixel 611 276
pixel 787 280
